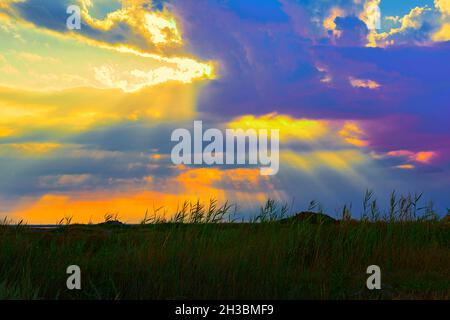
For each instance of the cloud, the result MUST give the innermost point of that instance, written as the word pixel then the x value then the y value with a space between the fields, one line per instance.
pixel 290 128
pixel 70 111
pixel 329 22
pixel 64 180
pixel 341 106
pixel 351 31
pixel 362 83
pixel 423 157
pixel 188 185
pixel 443 6
pixel 136 79
pixel 28 148
pixel 312 146
pixel 35 58
pixel 371 14
pixel 138 29
pixel 422 25
pixel 405 166
pixel 143 29
pixel 9 69
pixel 342 161
pixel 6 132
pixel 443 34
pixel 137 24
pixel 353 134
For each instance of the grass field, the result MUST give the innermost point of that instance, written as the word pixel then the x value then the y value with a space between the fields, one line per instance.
pixel 291 259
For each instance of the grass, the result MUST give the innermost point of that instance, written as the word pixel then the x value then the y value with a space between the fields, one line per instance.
pixel 202 253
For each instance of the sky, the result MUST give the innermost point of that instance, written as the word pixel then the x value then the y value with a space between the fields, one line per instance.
pixel 86 115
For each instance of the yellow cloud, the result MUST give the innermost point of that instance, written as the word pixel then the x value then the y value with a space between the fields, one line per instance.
pixel 135 80
pixel 79 109
pixel 393 19
pixel 9 70
pixel 352 134
pixel 443 34
pixel 341 161
pixel 328 22
pixel 305 130
pixel 5 4
pixel 156 28
pixel 152 35
pixel 411 20
pixel 160 32
pixel 443 6
pixel 6 132
pixel 33 58
pixel 28 148
pixel 290 128
pixel 370 14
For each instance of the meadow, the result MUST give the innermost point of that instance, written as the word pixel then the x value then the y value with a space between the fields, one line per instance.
pixel 202 253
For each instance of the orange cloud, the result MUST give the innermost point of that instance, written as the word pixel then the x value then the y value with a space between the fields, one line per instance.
pixel 423 157
pixel 85 208
pixel 406 166
pixel 207 180
pixel 189 185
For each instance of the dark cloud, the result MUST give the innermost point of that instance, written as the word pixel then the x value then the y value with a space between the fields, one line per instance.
pixel 353 31
pixel 266 66
pixel 44 13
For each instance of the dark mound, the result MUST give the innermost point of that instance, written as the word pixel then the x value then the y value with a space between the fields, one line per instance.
pixel 310 217
pixel 446 219
pixel 111 223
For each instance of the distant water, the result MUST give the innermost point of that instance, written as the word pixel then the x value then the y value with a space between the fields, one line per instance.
pixel 43 226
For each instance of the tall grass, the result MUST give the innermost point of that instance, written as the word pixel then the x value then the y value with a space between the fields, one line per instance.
pixel 228 261
pixel 201 252
pixel 194 213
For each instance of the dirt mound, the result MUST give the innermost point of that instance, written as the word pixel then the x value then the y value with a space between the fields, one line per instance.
pixel 111 223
